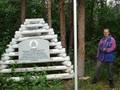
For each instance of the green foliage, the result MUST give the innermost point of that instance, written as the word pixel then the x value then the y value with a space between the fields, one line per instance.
pixel 91 48
pixel 29 82
pixel 8 22
pixel 103 83
pixel 98 16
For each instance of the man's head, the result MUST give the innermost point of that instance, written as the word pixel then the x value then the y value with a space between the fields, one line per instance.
pixel 106 32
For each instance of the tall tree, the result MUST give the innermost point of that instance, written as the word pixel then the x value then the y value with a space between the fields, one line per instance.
pixel 71 23
pixel 62 24
pixel 81 37
pixel 49 13
pixel 22 11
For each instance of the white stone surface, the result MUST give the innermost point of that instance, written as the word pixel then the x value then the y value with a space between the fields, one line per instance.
pixel 37 28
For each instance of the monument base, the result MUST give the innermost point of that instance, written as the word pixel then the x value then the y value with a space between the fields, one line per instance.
pixel 35 48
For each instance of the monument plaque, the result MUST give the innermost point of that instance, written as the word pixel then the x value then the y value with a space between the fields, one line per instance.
pixel 34 49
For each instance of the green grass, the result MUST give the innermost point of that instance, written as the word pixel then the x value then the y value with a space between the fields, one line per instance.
pixel 103 83
pixel 54 85
pixel 43 84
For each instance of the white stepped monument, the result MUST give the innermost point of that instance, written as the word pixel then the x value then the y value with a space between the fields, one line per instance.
pixel 36 43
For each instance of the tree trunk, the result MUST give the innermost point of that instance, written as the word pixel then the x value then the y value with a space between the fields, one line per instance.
pixel 81 38
pixel 22 11
pixel 71 23
pixel 62 24
pixel 49 14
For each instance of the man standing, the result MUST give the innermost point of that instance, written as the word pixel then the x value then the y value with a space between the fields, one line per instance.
pixel 105 55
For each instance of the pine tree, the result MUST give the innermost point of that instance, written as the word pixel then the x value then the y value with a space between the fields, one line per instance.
pixel 49 13
pixel 62 24
pixel 22 11
pixel 81 38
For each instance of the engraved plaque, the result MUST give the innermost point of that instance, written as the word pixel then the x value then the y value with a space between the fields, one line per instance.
pixel 34 49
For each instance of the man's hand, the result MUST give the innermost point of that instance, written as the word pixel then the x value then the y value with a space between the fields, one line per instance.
pixel 104 49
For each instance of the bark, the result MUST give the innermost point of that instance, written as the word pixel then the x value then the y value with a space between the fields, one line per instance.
pixel 62 24
pixel 22 11
pixel 81 38
pixel 71 23
pixel 49 14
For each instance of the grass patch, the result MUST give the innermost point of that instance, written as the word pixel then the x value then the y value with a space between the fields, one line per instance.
pixel 43 84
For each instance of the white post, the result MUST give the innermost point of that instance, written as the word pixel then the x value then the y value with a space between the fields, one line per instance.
pixel 75 43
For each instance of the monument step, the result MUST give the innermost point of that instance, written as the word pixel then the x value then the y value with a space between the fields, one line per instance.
pixel 37 69
pixel 52 51
pixel 52 59
pixel 33 25
pixel 49 77
pixel 50 44
pixel 46 37
pixel 35 31
pixel 34 20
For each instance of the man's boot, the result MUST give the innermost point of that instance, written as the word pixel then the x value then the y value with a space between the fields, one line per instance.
pixel 94 80
pixel 111 84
